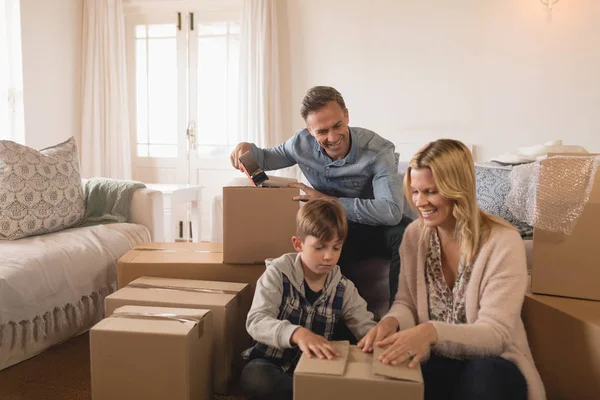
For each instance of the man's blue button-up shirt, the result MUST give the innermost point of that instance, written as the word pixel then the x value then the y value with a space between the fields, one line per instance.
pixel 366 181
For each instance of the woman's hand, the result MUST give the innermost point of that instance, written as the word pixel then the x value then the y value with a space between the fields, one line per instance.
pixel 311 343
pixel 413 343
pixel 383 329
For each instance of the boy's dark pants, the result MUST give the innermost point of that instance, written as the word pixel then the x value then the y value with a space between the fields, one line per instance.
pixel 372 241
pixel 264 380
pixel 489 378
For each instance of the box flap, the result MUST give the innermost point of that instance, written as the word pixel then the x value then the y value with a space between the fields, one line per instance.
pixel 202 247
pixel 401 372
pixel 171 256
pixel 190 285
pixel 273 181
pixel 584 310
pixel 278 181
pixel 337 366
pixel 186 316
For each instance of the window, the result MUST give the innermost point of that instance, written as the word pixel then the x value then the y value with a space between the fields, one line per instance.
pixel 11 73
pixel 184 76
pixel 217 91
pixel 156 90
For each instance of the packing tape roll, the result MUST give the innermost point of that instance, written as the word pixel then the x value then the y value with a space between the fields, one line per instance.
pixel 182 288
pixel 162 317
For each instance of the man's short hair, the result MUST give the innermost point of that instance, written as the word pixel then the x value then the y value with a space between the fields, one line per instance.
pixel 324 219
pixel 317 97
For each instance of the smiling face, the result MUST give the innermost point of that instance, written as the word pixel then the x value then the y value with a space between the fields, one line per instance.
pixel 318 257
pixel 435 209
pixel 329 125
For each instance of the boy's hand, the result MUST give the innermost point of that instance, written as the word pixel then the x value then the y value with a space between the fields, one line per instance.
pixel 310 343
pixel 386 327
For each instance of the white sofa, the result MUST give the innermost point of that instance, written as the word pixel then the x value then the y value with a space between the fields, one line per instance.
pixel 52 286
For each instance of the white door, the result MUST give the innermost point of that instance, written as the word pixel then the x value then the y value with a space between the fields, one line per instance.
pixel 183 71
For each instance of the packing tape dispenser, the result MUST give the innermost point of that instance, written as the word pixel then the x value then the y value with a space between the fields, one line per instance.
pixel 250 167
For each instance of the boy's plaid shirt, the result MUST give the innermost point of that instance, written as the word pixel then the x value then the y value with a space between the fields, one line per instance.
pixel 320 318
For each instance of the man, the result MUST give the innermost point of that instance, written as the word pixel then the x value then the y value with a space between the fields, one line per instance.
pixel 354 166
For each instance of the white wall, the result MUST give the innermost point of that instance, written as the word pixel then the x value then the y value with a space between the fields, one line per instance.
pixel 51 44
pixel 495 73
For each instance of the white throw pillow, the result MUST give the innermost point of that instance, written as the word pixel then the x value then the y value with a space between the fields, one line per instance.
pixel 40 191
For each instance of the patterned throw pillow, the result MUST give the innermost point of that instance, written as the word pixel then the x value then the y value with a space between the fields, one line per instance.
pixel 493 186
pixel 40 191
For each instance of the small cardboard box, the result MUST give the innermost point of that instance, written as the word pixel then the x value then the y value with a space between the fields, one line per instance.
pixel 222 298
pixel 134 355
pixel 564 337
pixel 258 223
pixel 569 265
pixel 355 375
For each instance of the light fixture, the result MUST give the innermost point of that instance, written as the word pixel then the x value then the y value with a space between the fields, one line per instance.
pixel 549 3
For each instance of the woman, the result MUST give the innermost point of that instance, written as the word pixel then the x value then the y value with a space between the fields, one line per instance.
pixel 462 284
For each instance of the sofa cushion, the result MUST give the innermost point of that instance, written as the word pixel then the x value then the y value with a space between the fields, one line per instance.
pixel 40 191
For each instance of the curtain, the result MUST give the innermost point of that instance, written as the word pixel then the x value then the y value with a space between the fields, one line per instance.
pixel 260 97
pixel 11 73
pixel 105 145
pixel 260 112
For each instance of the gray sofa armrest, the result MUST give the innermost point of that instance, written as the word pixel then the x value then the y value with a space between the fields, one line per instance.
pixel 146 209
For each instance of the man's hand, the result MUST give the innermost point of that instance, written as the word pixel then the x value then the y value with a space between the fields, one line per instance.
pixel 385 328
pixel 240 149
pixel 310 193
pixel 310 343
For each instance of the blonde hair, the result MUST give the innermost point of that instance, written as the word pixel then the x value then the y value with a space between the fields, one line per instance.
pixel 324 219
pixel 453 169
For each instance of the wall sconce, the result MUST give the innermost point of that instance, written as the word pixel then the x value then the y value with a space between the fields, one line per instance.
pixel 549 3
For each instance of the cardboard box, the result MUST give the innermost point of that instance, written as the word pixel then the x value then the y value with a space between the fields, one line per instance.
pixel 203 261
pixel 152 358
pixel 222 298
pixel 569 265
pixel 564 337
pixel 355 375
pixel 258 223
pixel 200 261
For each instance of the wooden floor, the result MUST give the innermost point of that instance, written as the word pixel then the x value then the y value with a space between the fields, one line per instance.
pixel 60 373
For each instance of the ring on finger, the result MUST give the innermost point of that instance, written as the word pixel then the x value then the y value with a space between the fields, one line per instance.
pixel 410 354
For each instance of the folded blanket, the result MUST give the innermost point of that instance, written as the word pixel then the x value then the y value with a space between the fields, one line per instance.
pixel 107 200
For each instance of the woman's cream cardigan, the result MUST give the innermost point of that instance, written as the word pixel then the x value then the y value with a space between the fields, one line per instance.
pixel 494 298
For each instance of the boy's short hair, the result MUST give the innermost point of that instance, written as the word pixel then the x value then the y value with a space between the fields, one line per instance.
pixel 323 219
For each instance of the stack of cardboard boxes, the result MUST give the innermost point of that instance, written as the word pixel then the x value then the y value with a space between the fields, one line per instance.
pixel 176 326
pixel 562 315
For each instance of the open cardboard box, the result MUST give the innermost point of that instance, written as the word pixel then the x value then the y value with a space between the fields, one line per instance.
pixel 354 375
pixel 258 222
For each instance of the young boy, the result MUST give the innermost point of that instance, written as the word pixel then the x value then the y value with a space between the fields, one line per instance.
pixel 298 301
